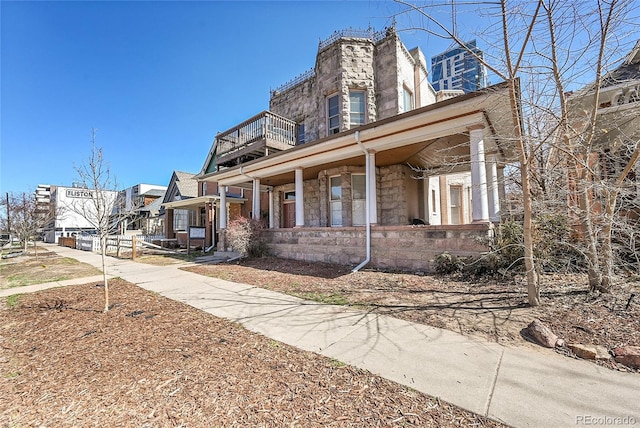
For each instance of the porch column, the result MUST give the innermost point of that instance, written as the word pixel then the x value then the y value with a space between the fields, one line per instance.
pixel 168 224
pixel 480 201
pixel 372 196
pixel 492 184
pixel 208 224
pixel 299 198
pixel 255 208
pixel 223 207
pixel 271 219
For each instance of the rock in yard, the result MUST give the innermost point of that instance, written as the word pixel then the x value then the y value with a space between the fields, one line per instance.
pixel 628 355
pixel 542 334
pixel 589 352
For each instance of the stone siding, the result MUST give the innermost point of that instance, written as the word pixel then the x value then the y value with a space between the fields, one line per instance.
pixel 410 248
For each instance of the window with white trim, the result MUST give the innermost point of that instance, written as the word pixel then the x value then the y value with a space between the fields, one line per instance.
pixel 407 99
pixel 455 204
pixel 357 114
pixel 358 200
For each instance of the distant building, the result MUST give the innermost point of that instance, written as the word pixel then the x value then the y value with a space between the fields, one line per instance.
pixel 458 69
pixel 141 208
pixel 72 206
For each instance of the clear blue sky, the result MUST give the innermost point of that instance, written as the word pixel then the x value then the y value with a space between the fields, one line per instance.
pixel 157 79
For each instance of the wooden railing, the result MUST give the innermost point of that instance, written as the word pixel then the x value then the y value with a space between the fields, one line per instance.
pixel 265 126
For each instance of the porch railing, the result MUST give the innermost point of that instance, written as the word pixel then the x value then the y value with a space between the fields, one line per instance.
pixel 264 127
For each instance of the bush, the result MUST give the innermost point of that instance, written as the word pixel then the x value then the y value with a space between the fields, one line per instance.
pixel 245 236
pixel 446 264
pixel 508 246
pixel 551 245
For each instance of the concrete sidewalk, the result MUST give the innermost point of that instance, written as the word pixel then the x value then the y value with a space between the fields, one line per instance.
pixel 519 386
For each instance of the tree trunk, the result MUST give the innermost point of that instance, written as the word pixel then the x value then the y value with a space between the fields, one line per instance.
pixel 533 285
pixel 103 251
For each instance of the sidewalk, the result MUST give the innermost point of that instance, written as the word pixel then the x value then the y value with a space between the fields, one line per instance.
pixel 518 386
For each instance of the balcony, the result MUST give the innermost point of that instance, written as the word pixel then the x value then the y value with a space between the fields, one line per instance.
pixel 263 134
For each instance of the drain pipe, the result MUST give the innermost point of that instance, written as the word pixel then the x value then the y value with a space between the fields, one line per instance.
pixel 366 201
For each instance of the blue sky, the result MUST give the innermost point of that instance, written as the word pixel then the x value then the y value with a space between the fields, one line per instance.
pixel 156 79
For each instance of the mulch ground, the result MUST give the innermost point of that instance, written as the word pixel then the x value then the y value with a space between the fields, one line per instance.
pixel 492 309
pixel 153 362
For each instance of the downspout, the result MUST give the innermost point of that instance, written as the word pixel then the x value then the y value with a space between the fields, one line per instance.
pixel 366 202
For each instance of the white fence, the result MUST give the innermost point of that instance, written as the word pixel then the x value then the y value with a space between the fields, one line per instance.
pixel 114 243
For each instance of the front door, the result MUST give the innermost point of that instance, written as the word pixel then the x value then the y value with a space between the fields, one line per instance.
pixel 289 210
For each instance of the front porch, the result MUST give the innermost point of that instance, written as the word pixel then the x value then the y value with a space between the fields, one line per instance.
pixel 354 197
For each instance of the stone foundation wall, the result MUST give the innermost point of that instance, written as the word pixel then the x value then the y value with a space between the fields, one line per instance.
pixel 411 248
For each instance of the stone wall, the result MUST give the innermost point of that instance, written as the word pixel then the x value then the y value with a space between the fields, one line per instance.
pixel 410 248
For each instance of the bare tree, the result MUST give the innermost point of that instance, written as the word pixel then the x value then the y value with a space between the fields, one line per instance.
pixel 27 218
pixel 553 47
pixel 509 73
pixel 95 176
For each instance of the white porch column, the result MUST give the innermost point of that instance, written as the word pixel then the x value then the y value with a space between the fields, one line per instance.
pixel 492 188
pixel 299 198
pixel 255 208
pixel 371 176
pixel 271 219
pixel 480 208
pixel 223 207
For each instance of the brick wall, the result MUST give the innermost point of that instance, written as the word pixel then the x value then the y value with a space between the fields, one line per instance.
pixel 410 248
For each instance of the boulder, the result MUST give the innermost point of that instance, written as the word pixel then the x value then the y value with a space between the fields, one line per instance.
pixel 541 334
pixel 589 352
pixel 628 355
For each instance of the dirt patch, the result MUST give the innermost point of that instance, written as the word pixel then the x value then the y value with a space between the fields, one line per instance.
pixel 151 361
pixel 47 266
pixel 492 309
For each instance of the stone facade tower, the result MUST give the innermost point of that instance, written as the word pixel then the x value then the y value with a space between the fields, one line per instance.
pixel 359 77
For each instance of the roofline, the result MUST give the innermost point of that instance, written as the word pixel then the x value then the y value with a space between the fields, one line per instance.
pixel 377 124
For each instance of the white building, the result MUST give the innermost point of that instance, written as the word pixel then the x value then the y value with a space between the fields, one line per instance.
pixel 74 211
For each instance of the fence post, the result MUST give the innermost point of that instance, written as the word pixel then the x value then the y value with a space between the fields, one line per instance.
pixel 133 247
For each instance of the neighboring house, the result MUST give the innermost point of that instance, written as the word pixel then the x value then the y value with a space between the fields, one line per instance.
pixel 182 186
pixel 141 208
pixel 617 128
pixel 73 207
pixel 332 160
pixel 459 69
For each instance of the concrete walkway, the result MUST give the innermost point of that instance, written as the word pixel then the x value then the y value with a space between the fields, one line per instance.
pixel 519 386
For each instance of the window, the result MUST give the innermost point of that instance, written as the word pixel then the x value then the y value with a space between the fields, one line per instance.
pixel 336 201
pixel 301 136
pixel 407 99
pixel 333 118
pixel 455 204
pixel 356 109
pixel 433 201
pixel 358 206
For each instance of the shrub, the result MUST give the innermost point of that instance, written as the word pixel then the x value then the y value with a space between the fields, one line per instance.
pixel 245 236
pixel 446 264
pixel 508 246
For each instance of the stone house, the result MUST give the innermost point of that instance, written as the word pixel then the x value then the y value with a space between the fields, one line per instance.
pixel 360 160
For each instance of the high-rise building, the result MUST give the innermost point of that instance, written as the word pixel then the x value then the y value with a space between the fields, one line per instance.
pixel 458 69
